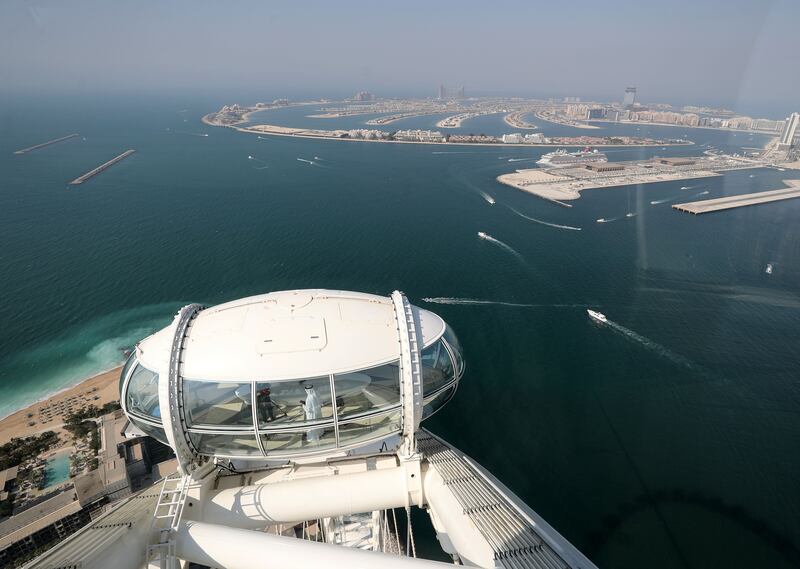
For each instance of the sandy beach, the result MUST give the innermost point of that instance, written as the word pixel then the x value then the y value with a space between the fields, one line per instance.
pixel 48 415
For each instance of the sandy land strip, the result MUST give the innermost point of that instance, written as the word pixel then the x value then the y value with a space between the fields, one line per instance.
pixel 380 121
pixel 563 188
pixel 339 114
pixel 454 121
pixel 791 165
pixel 576 124
pixel 48 415
pixel 273 130
pixel 515 120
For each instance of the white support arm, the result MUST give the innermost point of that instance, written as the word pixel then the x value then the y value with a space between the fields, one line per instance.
pixel 307 499
pixel 229 548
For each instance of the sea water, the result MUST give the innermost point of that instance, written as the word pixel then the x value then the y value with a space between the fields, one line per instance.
pixel 636 456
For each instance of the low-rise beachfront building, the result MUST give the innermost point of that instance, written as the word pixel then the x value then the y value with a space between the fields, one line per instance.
pixel 128 461
pixel 515 138
pixel 537 138
pixel 418 135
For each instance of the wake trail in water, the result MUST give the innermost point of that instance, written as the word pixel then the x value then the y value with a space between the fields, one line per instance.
pixel 443 152
pixel 520 159
pixel 654 347
pixel 263 166
pixel 610 219
pixel 505 246
pixel 310 162
pixel 478 302
pixel 665 200
pixel 184 133
pixel 697 195
pixel 533 219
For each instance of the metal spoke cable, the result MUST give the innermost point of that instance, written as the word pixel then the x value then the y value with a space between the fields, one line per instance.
pixel 410 536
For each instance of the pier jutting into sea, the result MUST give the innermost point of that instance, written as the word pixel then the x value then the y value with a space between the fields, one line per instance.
pixel 43 144
pixel 90 173
pixel 730 202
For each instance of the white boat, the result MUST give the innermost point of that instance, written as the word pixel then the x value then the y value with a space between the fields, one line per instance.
pixel 597 316
pixel 482 235
pixel 630 214
pixel 769 269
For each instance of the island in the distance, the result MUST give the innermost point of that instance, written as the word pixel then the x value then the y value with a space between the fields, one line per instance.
pixel 237 116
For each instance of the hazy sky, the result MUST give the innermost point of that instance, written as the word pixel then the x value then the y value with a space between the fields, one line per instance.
pixel 737 52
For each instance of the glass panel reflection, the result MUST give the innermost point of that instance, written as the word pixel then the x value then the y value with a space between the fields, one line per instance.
pixel 436 402
pixel 302 401
pixel 150 430
pixel 142 395
pixel 215 403
pixel 128 364
pixel 239 444
pixel 367 428
pixel 307 440
pixel 455 346
pixel 437 368
pixel 367 390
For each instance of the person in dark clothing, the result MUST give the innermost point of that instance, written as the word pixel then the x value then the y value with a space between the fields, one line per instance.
pixel 266 408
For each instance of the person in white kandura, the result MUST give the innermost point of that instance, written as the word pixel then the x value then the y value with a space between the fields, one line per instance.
pixel 313 411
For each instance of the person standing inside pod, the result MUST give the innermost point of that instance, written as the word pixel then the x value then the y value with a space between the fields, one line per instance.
pixel 313 411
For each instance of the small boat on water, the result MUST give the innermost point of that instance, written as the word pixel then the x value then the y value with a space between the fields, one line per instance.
pixel 630 214
pixel 768 270
pixel 597 316
pixel 481 234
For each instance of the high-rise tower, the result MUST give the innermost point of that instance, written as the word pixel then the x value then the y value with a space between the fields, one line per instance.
pixel 789 131
pixel 630 97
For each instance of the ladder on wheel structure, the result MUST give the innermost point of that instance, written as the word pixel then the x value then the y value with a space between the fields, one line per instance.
pixel 166 518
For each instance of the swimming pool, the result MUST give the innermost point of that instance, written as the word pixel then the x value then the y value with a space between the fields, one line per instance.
pixel 57 470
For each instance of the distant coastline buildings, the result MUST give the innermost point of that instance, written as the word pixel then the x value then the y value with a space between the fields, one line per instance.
pixel 363 97
pixel 450 93
pixel 790 132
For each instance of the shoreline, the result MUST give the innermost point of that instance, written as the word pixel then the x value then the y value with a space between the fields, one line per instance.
pixel 252 130
pixel 47 413
pixel 60 390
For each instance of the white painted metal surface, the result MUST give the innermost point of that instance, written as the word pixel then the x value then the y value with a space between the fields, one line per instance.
pixel 229 548
pixel 289 335
pixel 170 392
pixel 306 499
pixel 410 368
